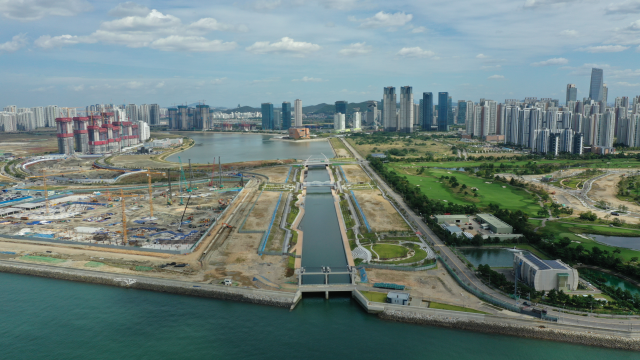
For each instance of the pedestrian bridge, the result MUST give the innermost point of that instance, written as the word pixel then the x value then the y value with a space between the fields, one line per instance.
pixel 317 161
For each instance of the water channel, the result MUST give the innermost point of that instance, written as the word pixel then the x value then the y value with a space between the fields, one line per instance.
pixel 492 257
pixel 236 147
pixel 322 242
pixel 629 242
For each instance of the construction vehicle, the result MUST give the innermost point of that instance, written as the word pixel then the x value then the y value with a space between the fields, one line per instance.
pixel 227 226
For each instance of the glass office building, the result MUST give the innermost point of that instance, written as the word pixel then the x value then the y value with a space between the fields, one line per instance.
pixel 443 111
pixel 267 116
pixel 286 115
pixel 427 111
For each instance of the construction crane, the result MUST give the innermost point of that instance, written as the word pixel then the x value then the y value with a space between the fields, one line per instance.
pixel 213 171
pixel 149 172
pixel 124 217
pixel 44 180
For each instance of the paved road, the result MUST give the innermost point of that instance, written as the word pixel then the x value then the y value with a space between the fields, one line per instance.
pixel 466 275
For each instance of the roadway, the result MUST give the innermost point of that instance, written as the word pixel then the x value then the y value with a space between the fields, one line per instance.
pixel 468 276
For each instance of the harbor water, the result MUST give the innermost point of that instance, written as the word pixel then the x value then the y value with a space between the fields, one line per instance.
pixel 57 319
pixel 237 147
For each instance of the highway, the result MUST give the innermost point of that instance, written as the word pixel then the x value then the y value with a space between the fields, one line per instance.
pixel 468 276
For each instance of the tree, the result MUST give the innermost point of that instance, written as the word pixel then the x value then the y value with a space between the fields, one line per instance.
pixel 564 242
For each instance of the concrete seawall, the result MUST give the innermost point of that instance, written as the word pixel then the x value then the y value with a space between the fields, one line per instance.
pixel 254 296
pixel 534 329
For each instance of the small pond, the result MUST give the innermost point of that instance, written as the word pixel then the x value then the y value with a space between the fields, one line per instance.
pixel 629 242
pixel 500 257
pixel 611 280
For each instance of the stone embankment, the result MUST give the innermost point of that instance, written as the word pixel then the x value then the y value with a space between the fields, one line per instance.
pixel 535 332
pixel 255 296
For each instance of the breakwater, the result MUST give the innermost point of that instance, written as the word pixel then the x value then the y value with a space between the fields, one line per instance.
pixel 533 331
pixel 254 296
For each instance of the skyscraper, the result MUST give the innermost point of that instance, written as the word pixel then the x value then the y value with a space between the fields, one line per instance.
pixel 297 112
pixel 572 93
pixel 450 119
pixel 443 111
pixel 427 111
pixel 405 123
pixel 605 94
pixel 462 112
pixel 339 122
pixel 356 120
pixel 154 114
pixel 341 107
pixel 372 113
pixel 389 122
pixel 597 81
pixel 286 115
pixel 267 116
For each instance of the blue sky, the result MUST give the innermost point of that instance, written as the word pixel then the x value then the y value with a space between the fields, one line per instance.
pixel 79 52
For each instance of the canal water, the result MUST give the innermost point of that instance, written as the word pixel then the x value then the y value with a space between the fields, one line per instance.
pixel 57 319
pixel 612 280
pixel 248 147
pixel 491 257
pixel 629 242
pixel 322 242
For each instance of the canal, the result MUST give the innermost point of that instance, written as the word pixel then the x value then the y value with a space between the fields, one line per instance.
pixel 248 147
pixel 611 280
pixel 322 242
pixel 493 257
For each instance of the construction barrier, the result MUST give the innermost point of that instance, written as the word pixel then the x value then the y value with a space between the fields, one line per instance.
pixel 364 218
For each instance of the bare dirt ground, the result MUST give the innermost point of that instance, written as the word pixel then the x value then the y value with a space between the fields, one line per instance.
pixel 381 215
pixel 263 211
pixel 138 161
pixel 355 174
pixel 30 143
pixel 276 174
pixel 431 285
pixel 606 189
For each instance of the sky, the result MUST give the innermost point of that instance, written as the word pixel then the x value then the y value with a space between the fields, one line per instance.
pixel 230 53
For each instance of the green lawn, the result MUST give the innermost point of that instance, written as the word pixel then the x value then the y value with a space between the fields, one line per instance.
pixel 387 251
pixel 42 259
pixel 511 198
pixel 597 163
pixel 419 256
pixel 560 230
pixel 435 305
pixel 375 296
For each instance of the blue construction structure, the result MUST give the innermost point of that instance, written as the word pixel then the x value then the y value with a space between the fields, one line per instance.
pixel 364 218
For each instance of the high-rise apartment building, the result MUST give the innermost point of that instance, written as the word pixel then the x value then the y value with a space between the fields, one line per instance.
pixel 427 111
pixel 462 112
pixel 154 114
pixel 605 96
pixel 277 119
pixel 38 114
pixel 286 115
pixel 389 117
pixel 372 113
pixel 405 123
pixel 132 112
pixel 267 116
pixel 356 120
pixel 572 93
pixel 297 111
pixel 443 111
pixel 51 113
pixel 597 82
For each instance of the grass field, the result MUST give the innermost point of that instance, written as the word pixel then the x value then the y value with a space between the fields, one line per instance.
pixel 42 259
pixel 418 256
pixel 511 198
pixel 598 163
pixel 339 148
pixel 375 296
pixel 435 305
pixel 560 230
pixel 420 148
pixel 386 251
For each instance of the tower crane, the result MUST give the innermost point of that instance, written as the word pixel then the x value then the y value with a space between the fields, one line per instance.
pixel 44 181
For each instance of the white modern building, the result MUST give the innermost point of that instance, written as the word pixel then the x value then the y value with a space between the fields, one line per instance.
pixel 544 275
pixel 389 117
pixel 339 122
pixel 356 120
pixel 405 118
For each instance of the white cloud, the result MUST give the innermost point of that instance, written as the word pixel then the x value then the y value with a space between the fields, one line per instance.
pixel 266 5
pixel 285 45
pixel 160 85
pixel 129 8
pixel 604 48
pixel 261 81
pixel 495 77
pixel 551 62
pixel 211 24
pixel 156 30
pixel 543 3
pixel 309 79
pixel 356 49
pixel 48 42
pixel 627 7
pixel 634 26
pixel 419 29
pixel 27 10
pixel 133 85
pixel 383 19
pixel 481 56
pixel 415 52
pixel 624 83
pixel 218 81
pixel 569 33
pixel 42 89
pixel 77 87
pixel 14 44
pixel 339 4
pixel 192 44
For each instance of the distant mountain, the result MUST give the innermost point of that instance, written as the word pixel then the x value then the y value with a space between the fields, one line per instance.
pixel 242 109
pixel 316 109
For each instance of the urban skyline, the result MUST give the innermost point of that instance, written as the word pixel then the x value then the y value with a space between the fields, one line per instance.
pixel 84 52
